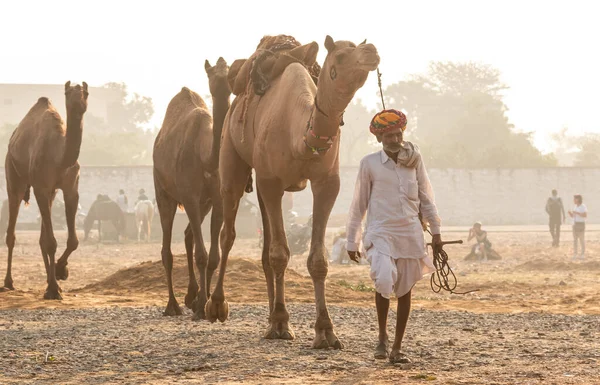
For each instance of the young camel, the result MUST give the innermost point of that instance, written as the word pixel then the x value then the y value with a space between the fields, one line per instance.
pixel 43 153
pixel 290 136
pixel 186 156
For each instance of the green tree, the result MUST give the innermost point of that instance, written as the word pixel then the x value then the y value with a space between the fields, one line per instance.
pixel 128 114
pixel 457 116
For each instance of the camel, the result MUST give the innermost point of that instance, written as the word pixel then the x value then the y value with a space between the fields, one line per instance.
pixel 43 153
pixel 186 156
pixel 290 135
pixel 104 209
pixel 144 213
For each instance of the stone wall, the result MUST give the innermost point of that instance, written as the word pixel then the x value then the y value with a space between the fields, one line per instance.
pixel 493 196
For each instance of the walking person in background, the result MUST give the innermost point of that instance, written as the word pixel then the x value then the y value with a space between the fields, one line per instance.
pixel 556 214
pixel 579 214
pixel 122 201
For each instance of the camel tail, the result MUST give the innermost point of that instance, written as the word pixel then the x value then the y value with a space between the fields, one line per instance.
pixel 27 195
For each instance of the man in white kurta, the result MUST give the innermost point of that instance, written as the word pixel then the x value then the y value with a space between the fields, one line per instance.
pixel 391 186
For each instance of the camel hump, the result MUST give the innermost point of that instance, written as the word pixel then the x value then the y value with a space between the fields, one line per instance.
pixel 44 101
pixel 272 56
pixel 190 96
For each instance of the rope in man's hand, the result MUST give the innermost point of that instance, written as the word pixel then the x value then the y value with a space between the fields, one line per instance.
pixel 443 278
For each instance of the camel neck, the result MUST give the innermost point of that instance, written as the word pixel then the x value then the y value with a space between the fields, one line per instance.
pixel 73 138
pixel 220 108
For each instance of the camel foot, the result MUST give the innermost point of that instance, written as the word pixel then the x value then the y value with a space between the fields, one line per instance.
pixel 279 331
pixel 190 297
pixel 216 311
pixel 8 284
pixel 172 309
pixel 53 293
pixel 326 339
pixel 199 314
pixel 332 339
pixel 62 272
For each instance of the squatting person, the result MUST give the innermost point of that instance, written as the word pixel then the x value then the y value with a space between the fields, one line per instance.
pixel 391 186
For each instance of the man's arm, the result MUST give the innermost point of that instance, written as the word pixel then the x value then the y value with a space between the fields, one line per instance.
pixel 358 208
pixel 428 207
pixel 548 206
pixel 427 198
pixel 562 208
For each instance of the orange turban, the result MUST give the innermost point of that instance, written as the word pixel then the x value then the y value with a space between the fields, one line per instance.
pixel 387 120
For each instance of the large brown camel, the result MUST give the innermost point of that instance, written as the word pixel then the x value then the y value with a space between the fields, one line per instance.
pixel 43 153
pixel 186 156
pixel 290 135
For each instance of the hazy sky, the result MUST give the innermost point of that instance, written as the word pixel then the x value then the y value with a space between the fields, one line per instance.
pixel 546 51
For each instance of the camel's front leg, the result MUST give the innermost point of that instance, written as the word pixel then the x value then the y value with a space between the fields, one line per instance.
pixel 71 202
pixel 325 192
pixel 271 193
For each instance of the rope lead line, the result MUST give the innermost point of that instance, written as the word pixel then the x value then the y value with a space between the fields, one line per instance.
pixel 380 89
pixel 444 278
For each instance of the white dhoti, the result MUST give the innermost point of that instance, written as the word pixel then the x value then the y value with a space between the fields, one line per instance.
pixel 397 275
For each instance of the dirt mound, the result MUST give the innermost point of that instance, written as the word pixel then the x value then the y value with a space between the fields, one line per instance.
pixel 244 282
pixel 553 265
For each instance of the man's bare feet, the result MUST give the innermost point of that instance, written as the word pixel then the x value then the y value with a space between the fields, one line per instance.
pixel 381 351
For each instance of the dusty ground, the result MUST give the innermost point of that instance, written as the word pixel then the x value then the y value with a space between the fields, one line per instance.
pixel 535 319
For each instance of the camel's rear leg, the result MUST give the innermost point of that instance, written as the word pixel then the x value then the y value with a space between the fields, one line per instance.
pixel 271 193
pixel 71 197
pixel 16 192
pixel 325 192
pixel 234 173
pixel 195 216
pixel 167 207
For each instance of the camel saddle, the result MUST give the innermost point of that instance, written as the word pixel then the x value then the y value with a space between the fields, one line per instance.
pixel 273 54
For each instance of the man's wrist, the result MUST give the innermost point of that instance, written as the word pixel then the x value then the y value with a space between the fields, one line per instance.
pixel 351 246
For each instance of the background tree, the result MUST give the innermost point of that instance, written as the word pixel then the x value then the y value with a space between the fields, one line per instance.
pixel 457 116
pixel 356 141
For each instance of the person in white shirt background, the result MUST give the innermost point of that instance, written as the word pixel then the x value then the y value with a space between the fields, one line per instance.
pixel 391 186
pixel 579 214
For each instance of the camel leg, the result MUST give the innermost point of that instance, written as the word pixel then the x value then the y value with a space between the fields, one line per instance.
pixel 271 332
pixel 16 192
pixel 47 241
pixel 192 285
pixel 324 195
pixel 216 223
pixel 71 202
pixel 194 213
pixel 234 174
pixel 167 208
pixel 279 255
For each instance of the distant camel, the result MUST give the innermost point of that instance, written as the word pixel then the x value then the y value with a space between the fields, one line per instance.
pixel 104 209
pixel 144 212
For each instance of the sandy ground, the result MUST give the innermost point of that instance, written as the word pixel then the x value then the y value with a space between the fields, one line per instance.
pixel 535 319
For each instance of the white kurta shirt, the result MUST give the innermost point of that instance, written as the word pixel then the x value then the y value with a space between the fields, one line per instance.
pixel 390 194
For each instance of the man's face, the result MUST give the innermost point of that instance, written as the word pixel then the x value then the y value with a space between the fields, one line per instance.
pixel 554 194
pixel 391 140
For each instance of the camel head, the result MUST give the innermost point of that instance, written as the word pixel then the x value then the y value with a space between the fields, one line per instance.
pixel 217 78
pixel 346 69
pixel 76 97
